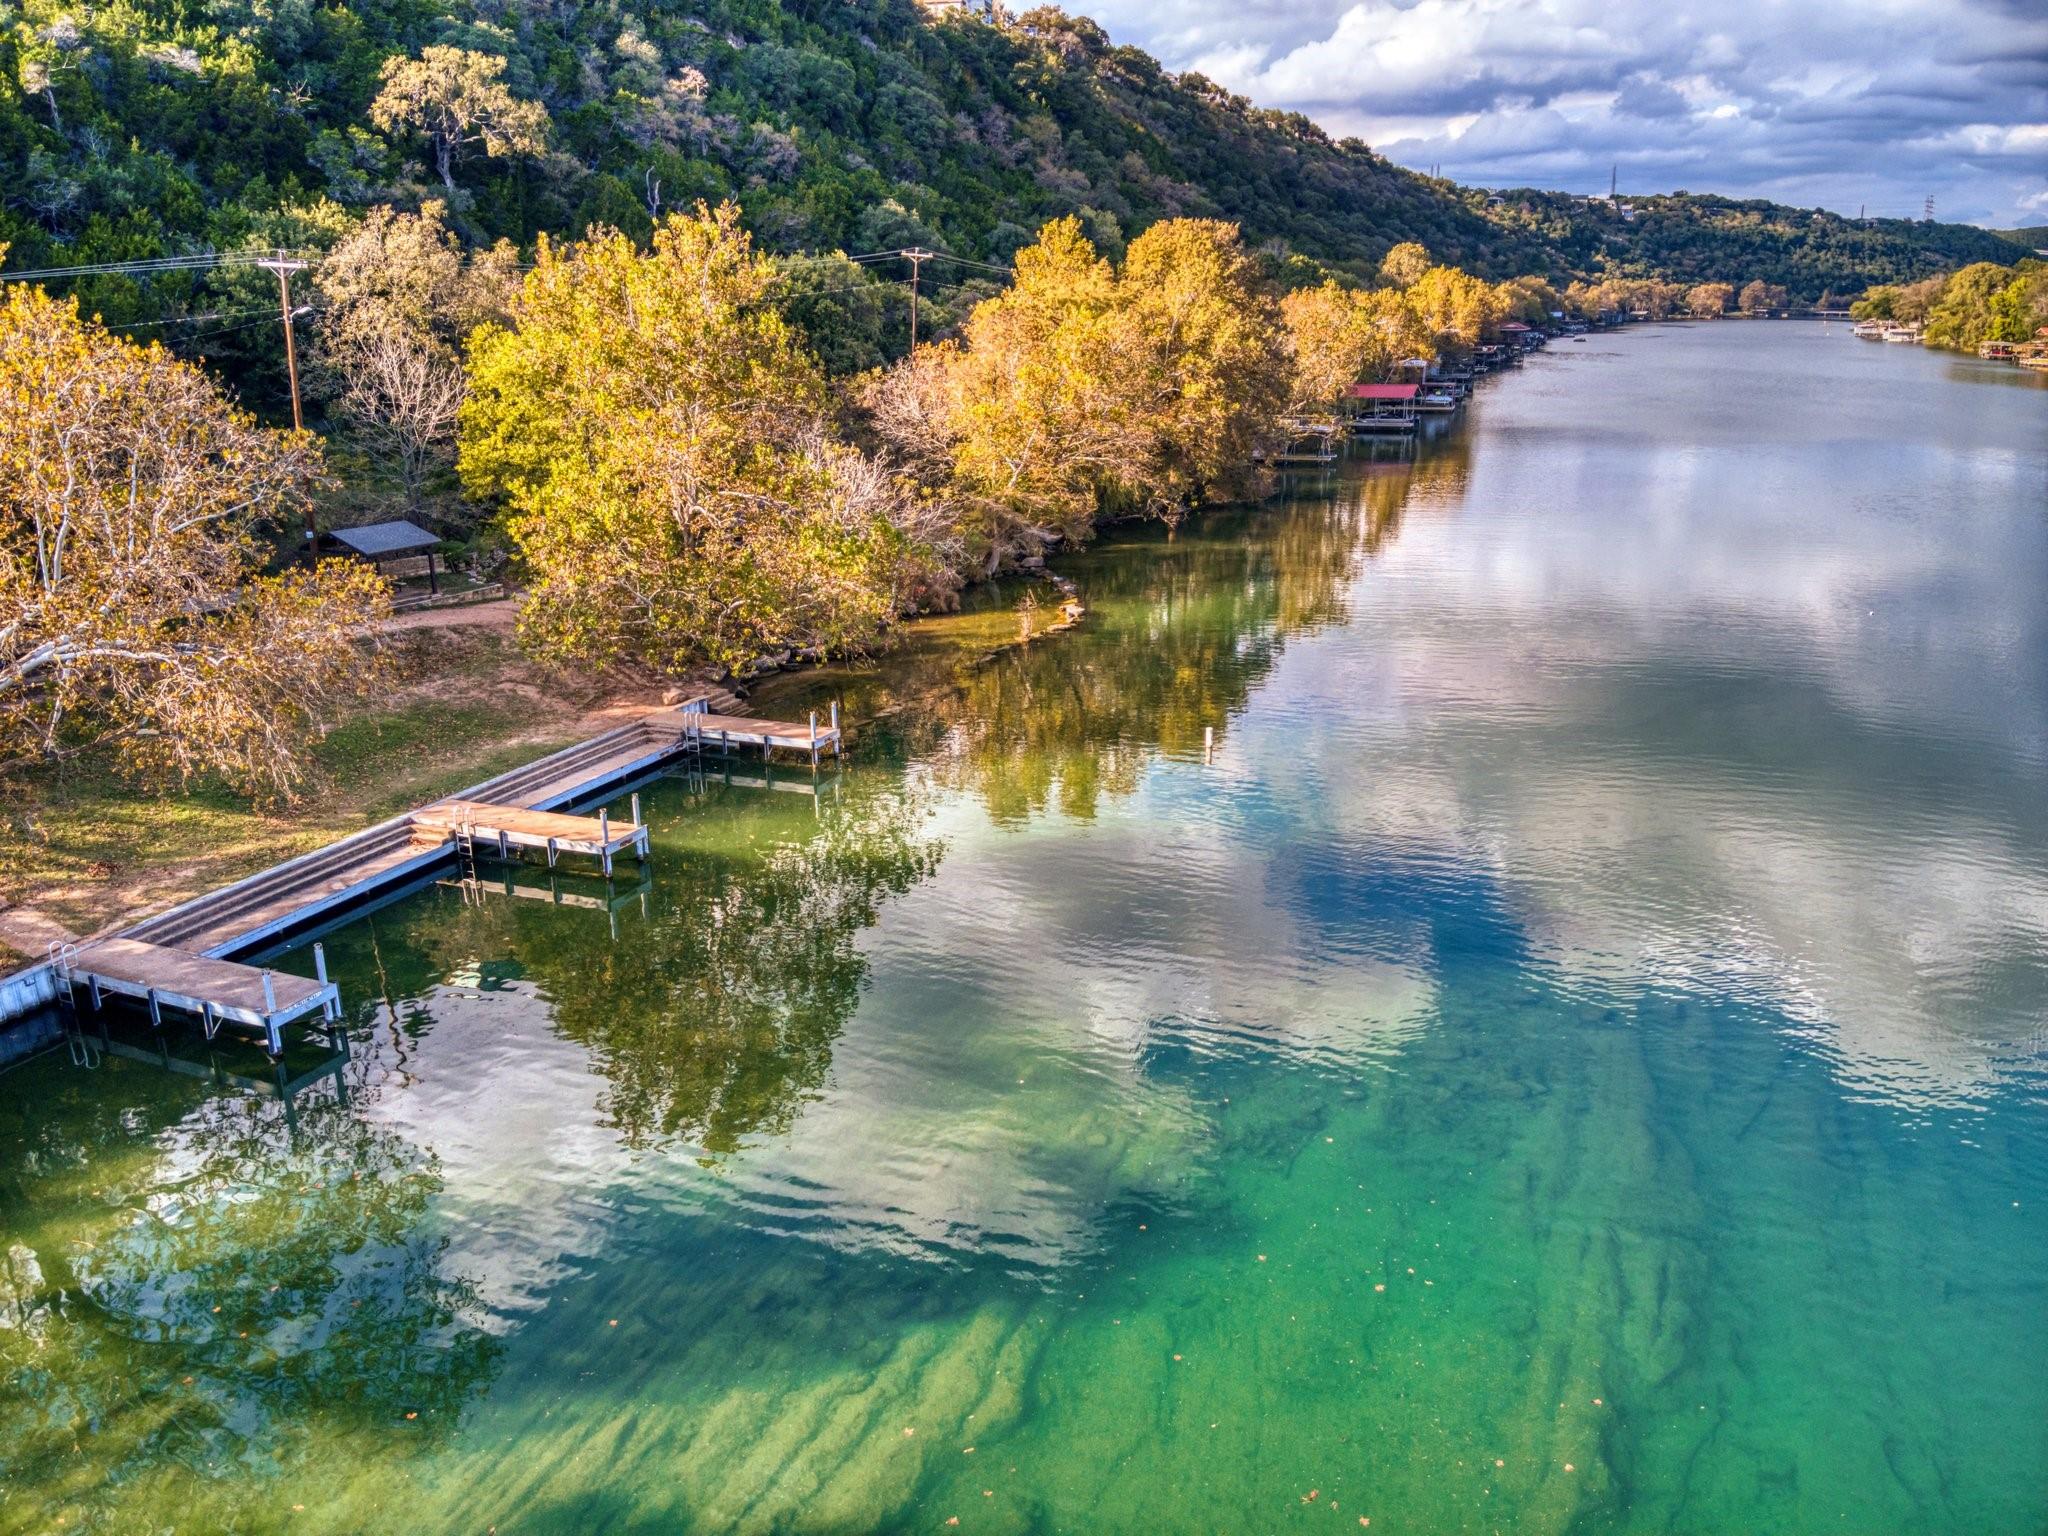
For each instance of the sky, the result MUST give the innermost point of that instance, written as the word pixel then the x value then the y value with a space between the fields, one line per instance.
pixel 1840 104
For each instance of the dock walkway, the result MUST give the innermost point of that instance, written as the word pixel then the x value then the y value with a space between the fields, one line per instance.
pixel 181 959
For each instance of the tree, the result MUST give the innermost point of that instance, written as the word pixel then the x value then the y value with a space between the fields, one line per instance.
pixel 1198 332
pixel 1759 296
pixel 1338 337
pixel 1402 266
pixel 458 98
pixel 1528 299
pixel 1709 301
pixel 1454 305
pixel 399 296
pixel 132 497
pixel 658 436
pixel 1326 337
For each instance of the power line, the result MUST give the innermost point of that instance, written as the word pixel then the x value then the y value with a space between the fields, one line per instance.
pixel 146 266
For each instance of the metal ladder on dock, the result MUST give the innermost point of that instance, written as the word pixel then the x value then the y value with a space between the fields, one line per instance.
pixel 81 1047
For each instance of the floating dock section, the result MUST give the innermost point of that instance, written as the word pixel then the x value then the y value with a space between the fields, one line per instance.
pixel 729 731
pixel 473 822
pixel 217 991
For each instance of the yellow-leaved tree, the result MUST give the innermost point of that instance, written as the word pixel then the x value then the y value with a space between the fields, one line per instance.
pixel 133 500
pixel 660 440
pixel 1340 336
pixel 1455 306
pixel 1081 393
pixel 1203 365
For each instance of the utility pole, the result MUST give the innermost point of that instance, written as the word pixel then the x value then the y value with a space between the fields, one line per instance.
pixel 1614 182
pixel 917 257
pixel 1928 211
pixel 284 267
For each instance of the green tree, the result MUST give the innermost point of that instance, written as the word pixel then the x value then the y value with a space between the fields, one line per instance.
pixel 658 437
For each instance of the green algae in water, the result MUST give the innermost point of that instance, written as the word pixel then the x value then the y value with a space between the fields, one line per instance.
pixel 1571 1063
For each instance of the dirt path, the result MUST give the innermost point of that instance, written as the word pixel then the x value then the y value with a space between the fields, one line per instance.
pixel 499 614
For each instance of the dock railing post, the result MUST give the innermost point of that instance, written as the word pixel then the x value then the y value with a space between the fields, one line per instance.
pixel 814 743
pixel 636 807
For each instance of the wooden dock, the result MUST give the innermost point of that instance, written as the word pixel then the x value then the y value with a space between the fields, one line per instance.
pixel 180 959
pixel 218 991
pixel 727 731
pixel 470 822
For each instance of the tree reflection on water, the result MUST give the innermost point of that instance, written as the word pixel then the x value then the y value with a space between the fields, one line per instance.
pixel 193 1290
pixel 1181 627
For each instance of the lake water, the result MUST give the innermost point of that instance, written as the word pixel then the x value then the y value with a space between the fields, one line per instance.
pixel 1575 1060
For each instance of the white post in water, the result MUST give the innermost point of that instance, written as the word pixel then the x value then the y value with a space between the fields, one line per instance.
pixel 636 807
pixel 320 963
pixel 1208 744
pixel 604 825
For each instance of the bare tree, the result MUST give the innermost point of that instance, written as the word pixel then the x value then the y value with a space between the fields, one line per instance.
pixel 401 399
pixel 400 294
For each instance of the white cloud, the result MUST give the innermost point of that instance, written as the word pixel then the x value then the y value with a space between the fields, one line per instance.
pixel 1838 103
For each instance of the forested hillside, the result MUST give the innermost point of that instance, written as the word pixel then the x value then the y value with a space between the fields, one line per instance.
pixel 158 125
pixel 161 126
pixel 1689 238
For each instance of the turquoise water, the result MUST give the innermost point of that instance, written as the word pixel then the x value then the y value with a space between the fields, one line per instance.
pixel 1572 1061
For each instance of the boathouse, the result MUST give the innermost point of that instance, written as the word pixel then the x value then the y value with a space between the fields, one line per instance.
pixel 1381 407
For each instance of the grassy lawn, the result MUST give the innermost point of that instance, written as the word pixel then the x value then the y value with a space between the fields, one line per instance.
pixel 86 847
